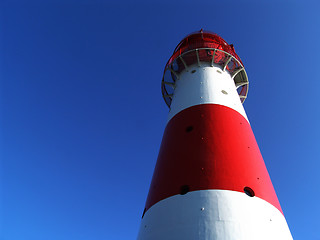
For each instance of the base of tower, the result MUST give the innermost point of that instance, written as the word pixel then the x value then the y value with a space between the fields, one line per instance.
pixel 214 214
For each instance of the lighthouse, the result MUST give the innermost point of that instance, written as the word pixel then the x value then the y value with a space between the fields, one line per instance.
pixel 210 180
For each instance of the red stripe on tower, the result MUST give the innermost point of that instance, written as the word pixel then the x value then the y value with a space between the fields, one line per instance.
pixel 210 181
pixel 209 146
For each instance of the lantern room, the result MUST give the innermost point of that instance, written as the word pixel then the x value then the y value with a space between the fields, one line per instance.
pixel 203 48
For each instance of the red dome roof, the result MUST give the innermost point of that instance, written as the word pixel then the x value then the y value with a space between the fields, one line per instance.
pixel 203 39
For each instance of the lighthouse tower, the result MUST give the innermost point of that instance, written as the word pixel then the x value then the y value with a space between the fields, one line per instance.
pixel 210 180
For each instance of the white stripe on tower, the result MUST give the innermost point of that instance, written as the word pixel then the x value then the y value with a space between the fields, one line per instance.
pixel 203 85
pixel 213 214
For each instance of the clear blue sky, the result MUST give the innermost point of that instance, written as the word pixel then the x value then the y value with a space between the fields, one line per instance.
pixel 82 114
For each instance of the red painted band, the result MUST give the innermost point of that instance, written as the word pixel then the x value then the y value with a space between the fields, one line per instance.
pixel 209 146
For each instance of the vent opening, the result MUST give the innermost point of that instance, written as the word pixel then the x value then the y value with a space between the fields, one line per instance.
pixel 249 191
pixel 184 189
pixel 189 128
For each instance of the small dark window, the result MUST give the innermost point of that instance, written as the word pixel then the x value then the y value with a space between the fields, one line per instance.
pixel 184 189
pixel 193 71
pixel 144 211
pixel 249 191
pixel 189 129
